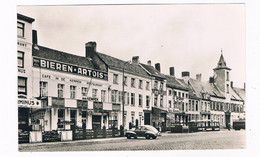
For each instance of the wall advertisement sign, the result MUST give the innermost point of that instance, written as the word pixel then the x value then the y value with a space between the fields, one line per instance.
pixel 29 103
pixel 63 67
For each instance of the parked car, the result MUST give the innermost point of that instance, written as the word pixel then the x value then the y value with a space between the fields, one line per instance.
pixel 146 131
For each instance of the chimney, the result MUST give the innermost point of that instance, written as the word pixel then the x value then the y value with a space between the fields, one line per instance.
pixel 158 67
pixel 149 62
pixel 185 74
pixel 211 79
pixel 231 84
pixel 34 37
pixel 198 77
pixel 135 59
pixel 90 48
pixel 172 71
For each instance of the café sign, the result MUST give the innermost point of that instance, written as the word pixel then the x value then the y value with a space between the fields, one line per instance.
pixel 63 67
pixel 29 103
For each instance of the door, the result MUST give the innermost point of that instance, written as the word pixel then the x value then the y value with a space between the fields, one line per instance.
pixel 146 118
pixel 96 122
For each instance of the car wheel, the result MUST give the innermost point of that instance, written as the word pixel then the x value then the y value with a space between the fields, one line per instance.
pixel 128 136
pixel 154 137
pixel 147 136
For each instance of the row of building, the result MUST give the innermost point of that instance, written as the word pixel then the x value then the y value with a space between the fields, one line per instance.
pixel 58 90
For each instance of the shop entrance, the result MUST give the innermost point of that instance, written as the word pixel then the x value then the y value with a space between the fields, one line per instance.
pixel 227 116
pixel 96 122
pixel 147 119
pixel 23 119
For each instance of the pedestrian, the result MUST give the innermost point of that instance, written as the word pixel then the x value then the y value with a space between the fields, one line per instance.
pixel 229 126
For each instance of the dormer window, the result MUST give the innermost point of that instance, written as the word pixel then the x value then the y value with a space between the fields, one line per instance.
pixel 227 76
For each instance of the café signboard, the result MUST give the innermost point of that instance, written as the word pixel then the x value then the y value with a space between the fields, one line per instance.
pixel 29 103
pixel 63 67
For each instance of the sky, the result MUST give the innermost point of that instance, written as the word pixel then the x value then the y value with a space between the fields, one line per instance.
pixel 189 37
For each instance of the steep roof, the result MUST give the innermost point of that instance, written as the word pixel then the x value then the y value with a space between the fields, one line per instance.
pixel 221 63
pixel 25 18
pixel 154 72
pixel 118 64
pixel 199 87
pixel 240 92
pixel 47 53
pixel 174 83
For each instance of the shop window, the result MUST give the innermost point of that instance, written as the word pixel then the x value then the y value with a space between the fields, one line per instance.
pixel 147 101
pixel 22 85
pixel 61 118
pixel 60 90
pixel 133 99
pixel 84 91
pixel 20 29
pixel 43 89
pixel 140 84
pixel 125 80
pixel 140 100
pixel 103 95
pixel 72 92
pixel 147 85
pixel 73 117
pixel 20 59
pixel 115 79
pixel 132 82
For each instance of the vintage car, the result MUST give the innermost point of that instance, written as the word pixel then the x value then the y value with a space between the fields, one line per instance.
pixel 146 131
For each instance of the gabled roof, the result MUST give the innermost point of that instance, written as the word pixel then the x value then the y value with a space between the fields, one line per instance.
pixel 153 72
pixel 118 64
pixel 199 87
pixel 173 82
pixel 240 92
pixel 51 54
pixel 221 63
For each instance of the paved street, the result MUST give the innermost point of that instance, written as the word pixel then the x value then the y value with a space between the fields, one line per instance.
pixel 168 141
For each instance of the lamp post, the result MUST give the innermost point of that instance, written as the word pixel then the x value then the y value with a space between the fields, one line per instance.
pixel 123 102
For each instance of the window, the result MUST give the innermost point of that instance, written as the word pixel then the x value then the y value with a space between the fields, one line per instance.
pixel 133 117
pixel 155 100
pixel 84 91
pixel 127 99
pixel 161 101
pixel 72 92
pixel 170 92
pixel 140 84
pixel 20 59
pixel 161 85
pixel 155 84
pixel 20 29
pixel 147 100
pixel 115 79
pixel 183 95
pixel 94 93
pixel 192 105
pixel 132 82
pixel 73 117
pixel 133 99
pixel 186 95
pixel 140 100
pixel 197 107
pixel 227 76
pixel 227 88
pixel 182 106
pixel 22 85
pixel 60 90
pixel 43 89
pixel 179 94
pixel 187 107
pixel 114 96
pixel 125 80
pixel 120 95
pixel 61 117
pixel 103 95
pixel 147 85
pixel 170 104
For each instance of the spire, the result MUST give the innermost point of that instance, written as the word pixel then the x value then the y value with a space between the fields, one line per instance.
pixel 221 63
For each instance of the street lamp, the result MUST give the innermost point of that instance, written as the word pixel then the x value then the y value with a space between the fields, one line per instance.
pixel 123 102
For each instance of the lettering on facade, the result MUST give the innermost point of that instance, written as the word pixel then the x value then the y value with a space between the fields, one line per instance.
pixel 42 63
pixel 21 44
pixel 20 70
pixel 29 103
